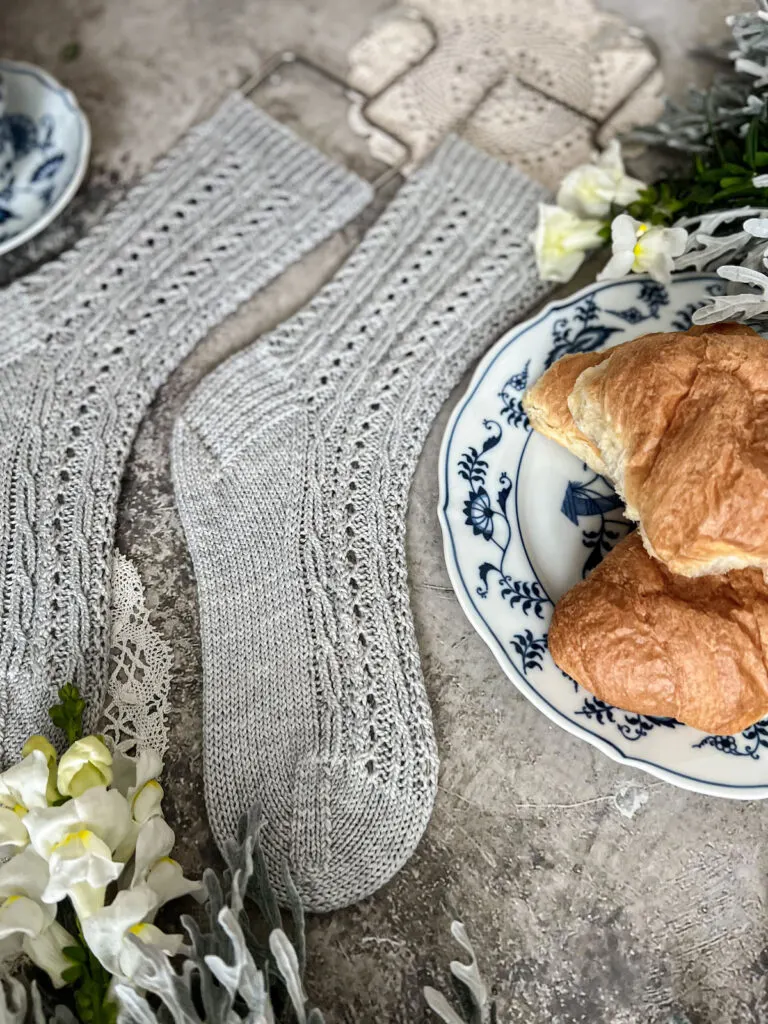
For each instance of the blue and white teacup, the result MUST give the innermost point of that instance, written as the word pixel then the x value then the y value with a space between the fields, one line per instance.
pixel 7 151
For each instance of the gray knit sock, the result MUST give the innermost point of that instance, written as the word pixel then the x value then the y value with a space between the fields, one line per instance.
pixel 292 464
pixel 85 343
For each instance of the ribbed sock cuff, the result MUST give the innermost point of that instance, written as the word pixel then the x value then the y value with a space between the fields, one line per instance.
pixel 487 209
pixel 239 154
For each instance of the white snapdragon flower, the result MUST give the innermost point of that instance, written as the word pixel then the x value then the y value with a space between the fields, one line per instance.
pixel 643 249
pixel 47 749
pixel 591 189
pixel 77 848
pixel 87 763
pixel 131 773
pixel 25 784
pixel 150 935
pixel 27 924
pixel 168 881
pixel 153 865
pixel 78 839
pixel 561 242
pixel 106 932
pixel 81 867
pixel 13 833
pixel 26 927
pixel 147 801
pixel 23 787
pixel 26 874
pixel 102 811
pixel 136 778
pixel 155 841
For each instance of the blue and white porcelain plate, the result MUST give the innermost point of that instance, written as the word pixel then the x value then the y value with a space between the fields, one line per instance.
pixel 523 521
pixel 44 147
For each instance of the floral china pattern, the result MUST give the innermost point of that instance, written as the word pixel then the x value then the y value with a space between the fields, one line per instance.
pixel 44 149
pixel 483 482
pixel 29 136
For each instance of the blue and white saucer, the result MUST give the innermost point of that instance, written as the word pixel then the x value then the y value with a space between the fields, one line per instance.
pixel 48 142
pixel 523 521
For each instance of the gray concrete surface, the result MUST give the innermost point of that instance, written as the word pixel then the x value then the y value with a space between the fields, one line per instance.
pixel 592 893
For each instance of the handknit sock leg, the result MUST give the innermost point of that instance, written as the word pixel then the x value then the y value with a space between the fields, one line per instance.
pixel 86 342
pixel 292 464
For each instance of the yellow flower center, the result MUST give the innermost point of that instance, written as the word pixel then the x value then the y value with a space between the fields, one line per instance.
pixel 641 230
pixel 83 836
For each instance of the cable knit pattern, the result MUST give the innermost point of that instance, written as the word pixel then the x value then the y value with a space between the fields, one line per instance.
pixel 86 342
pixel 292 464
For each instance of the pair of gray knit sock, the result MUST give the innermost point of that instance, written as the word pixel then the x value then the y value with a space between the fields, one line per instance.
pixel 292 464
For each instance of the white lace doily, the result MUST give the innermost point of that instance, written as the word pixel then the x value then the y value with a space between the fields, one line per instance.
pixel 135 712
pixel 524 80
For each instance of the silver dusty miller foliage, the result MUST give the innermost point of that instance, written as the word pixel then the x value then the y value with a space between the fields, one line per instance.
pixel 483 1009
pixel 226 975
pixel 749 306
pixel 717 238
pixel 729 103
pixel 733 243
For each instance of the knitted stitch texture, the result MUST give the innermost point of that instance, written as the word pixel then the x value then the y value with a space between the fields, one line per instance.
pixel 86 342
pixel 292 464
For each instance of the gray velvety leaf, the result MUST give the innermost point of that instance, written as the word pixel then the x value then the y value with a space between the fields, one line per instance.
pixel 730 102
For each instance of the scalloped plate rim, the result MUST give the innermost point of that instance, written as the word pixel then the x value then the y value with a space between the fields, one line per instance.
pixel 74 183
pixel 723 790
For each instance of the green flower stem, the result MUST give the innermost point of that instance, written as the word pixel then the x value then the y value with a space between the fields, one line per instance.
pixel 68 715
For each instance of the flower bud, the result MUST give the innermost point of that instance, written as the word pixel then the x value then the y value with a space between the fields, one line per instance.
pixel 87 763
pixel 46 748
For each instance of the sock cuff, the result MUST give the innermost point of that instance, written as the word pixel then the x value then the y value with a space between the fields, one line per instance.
pixel 464 188
pixel 235 179
pixel 486 180
pixel 452 241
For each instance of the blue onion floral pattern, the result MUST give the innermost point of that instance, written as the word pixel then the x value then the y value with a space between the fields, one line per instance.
pixel 489 517
pixel 631 726
pixel 596 501
pixel 480 513
pixel 746 744
pixel 511 396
